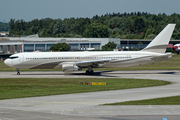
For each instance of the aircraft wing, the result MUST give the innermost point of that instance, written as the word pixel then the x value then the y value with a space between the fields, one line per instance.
pixel 93 63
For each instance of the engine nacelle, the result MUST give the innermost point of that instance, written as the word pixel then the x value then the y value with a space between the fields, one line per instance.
pixel 69 67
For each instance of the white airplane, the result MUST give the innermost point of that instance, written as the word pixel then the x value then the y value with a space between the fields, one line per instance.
pixel 71 61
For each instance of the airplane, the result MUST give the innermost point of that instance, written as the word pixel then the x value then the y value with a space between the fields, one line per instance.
pixel 176 48
pixel 72 61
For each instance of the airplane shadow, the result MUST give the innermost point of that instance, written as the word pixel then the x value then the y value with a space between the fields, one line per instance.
pixel 115 74
pixel 97 73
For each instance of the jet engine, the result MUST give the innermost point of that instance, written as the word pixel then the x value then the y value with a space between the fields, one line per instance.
pixel 69 67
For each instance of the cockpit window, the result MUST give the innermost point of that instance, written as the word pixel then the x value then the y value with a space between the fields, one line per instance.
pixel 13 57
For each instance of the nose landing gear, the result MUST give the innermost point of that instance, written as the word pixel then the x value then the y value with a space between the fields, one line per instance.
pixel 17 69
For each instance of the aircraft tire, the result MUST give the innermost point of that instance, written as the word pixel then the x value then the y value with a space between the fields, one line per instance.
pixel 87 72
pixel 92 72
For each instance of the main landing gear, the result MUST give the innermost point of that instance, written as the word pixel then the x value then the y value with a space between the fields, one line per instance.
pixel 89 71
pixel 17 69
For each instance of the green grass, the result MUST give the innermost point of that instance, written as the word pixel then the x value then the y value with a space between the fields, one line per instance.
pixel 175 100
pixel 31 87
pixel 170 64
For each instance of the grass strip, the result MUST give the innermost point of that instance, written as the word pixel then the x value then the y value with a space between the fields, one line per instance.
pixel 175 100
pixel 32 87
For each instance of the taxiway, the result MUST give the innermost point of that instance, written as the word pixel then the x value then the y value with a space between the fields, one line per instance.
pixel 87 105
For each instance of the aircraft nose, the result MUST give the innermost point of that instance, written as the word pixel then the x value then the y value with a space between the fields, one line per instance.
pixel 7 62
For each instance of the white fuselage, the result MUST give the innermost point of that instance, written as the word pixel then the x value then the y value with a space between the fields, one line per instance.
pixel 50 60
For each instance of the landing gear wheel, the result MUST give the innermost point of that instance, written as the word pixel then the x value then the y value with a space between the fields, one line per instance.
pixel 92 72
pixel 17 69
pixel 18 73
pixel 87 72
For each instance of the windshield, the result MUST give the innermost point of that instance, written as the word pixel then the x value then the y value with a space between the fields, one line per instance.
pixel 13 57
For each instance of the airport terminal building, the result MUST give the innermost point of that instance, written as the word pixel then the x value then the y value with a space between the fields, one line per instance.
pixel 11 45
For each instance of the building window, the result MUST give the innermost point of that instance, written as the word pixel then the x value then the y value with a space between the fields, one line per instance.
pixel 40 47
pixel 96 46
pixel 28 47
pixel 84 46
pixel 15 48
pixel 8 48
pixel 74 46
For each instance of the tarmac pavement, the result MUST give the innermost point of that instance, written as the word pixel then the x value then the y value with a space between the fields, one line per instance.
pixel 87 105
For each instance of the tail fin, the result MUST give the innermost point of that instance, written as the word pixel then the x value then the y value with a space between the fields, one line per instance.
pixel 161 41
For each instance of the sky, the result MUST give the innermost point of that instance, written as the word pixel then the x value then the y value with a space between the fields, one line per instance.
pixel 38 9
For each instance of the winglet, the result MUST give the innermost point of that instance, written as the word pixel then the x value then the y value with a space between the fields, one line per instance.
pixel 161 41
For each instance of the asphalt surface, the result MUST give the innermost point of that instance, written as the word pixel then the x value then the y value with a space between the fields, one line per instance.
pixel 87 105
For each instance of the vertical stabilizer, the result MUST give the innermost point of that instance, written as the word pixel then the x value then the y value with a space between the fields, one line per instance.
pixel 161 41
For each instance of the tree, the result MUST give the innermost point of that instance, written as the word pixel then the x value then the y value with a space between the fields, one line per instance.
pixel 151 36
pixel 113 25
pixel 138 25
pixel 58 27
pixel 109 46
pixel 149 31
pixel 176 35
pixel 11 26
pixel 60 47
pixel 43 33
pixel 96 30
pixel 116 22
